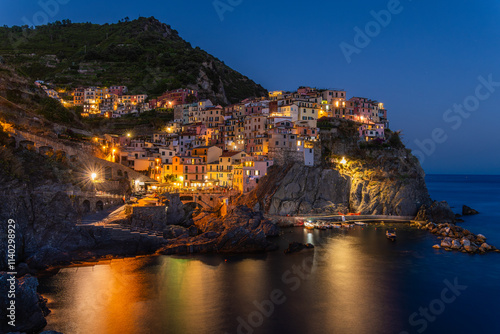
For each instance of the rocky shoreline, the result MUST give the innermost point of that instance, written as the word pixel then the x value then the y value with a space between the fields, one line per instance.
pixel 456 238
pixel 241 231
pixel 30 308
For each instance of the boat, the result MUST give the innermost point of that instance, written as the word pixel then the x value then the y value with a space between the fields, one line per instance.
pixel 336 225
pixel 300 223
pixel 390 234
pixel 347 225
pixel 360 223
pixel 309 226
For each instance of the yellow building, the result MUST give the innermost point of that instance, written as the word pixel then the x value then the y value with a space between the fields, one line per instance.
pixel 238 177
pixel 222 171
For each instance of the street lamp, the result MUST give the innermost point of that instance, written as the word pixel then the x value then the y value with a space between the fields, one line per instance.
pixel 343 161
pixel 93 176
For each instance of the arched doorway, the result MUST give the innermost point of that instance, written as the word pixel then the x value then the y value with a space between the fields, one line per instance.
pixel 86 206
pixel 99 206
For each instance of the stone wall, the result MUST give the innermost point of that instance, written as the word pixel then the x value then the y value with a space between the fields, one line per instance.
pixel 285 156
pixel 88 204
pixel 153 218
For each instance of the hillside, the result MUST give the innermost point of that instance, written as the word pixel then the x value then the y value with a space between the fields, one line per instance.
pixel 28 107
pixel 145 55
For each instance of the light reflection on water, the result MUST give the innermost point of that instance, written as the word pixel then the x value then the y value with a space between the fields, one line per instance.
pixel 360 283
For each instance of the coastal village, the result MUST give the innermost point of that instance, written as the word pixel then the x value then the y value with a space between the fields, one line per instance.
pixel 209 146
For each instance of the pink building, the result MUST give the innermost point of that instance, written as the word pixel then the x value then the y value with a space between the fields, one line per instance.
pixel 372 131
pixel 362 109
pixel 118 90
pixel 253 170
pixel 176 97
pixel 253 110
pixel 304 90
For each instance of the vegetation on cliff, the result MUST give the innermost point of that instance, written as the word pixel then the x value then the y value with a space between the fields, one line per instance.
pixel 144 54
pixel 28 107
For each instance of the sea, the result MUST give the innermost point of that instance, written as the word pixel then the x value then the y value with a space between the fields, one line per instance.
pixel 354 281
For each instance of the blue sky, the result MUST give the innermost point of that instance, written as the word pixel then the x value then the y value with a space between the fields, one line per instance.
pixel 426 59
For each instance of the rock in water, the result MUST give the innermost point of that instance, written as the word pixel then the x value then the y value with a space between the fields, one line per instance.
pixel 485 246
pixel 466 211
pixel 470 248
pixel 439 212
pixel 30 307
pixel 456 244
pixel 295 247
pixel 446 243
pixel 465 242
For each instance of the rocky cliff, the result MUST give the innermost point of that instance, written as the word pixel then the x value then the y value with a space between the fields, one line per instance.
pixel 29 309
pixel 384 180
pixel 241 231
pixel 47 235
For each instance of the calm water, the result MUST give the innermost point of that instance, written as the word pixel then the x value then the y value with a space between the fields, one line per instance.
pixel 354 282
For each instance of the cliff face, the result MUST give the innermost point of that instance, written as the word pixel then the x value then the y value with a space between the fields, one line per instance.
pixel 382 182
pixel 30 307
pixel 304 189
pixel 241 231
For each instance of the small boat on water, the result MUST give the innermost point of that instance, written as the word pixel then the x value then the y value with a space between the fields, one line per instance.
pixel 321 226
pixel 309 226
pixel 300 223
pixel 336 225
pixel 360 224
pixel 390 234
pixel 348 225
